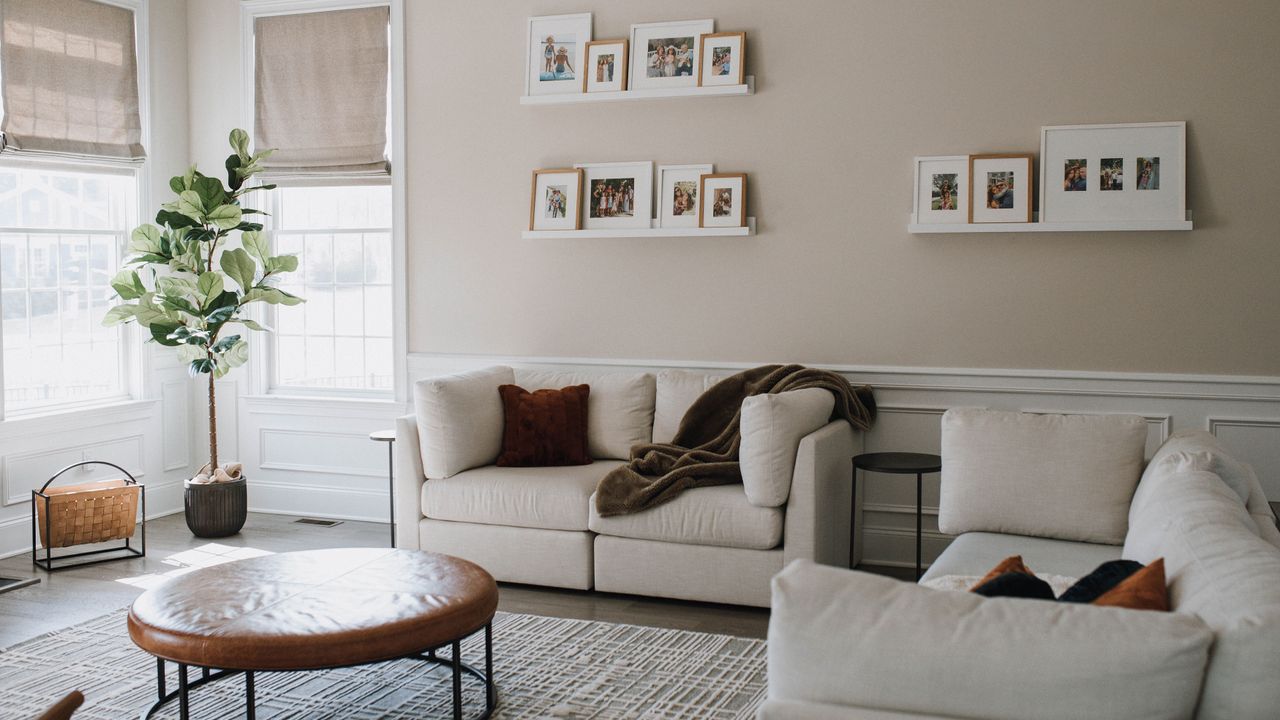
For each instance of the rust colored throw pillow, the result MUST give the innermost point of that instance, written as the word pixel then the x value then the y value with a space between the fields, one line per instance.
pixel 1143 590
pixel 1011 564
pixel 544 427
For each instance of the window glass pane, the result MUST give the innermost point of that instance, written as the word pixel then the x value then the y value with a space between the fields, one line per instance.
pixel 341 337
pixel 61 244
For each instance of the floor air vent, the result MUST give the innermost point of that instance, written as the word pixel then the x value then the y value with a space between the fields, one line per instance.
pixel 317 521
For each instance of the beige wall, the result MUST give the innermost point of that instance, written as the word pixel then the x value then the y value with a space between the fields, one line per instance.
pixel 169 151
pixel 847 94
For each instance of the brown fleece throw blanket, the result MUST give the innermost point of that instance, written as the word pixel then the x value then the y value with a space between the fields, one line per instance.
pixel 705 449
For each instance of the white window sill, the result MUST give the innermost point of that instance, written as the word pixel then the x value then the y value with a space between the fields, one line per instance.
pixel 70 417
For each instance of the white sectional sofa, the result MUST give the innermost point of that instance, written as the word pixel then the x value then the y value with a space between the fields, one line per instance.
pixel 1067 493
pixel 539 525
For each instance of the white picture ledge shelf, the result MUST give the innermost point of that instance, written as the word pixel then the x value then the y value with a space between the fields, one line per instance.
pixel 656 232
pixel 749 88
pixel 1039 227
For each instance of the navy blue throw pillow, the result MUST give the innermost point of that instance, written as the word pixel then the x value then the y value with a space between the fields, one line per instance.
pixel 1016 584
pixel 1097 583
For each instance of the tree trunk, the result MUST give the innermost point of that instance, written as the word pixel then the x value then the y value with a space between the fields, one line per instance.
pixel 213 429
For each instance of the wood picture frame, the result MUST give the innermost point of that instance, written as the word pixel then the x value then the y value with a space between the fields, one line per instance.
pixel 708 214
pixel 737 44
pixel 1004 195
pixel 571 219
pixel 620 70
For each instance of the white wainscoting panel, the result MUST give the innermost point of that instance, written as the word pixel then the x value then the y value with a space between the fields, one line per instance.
pixel 912 400
pixel 175 402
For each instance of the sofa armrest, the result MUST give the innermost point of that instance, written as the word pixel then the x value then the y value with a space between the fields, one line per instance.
pixel 843 637
pixel 409 477
pixel 817 511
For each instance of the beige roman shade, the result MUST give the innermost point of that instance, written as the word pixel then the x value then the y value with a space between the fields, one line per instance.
pixel 321 92
pixel 69 79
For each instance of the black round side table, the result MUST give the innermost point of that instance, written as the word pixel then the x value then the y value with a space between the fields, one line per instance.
pixel 893 463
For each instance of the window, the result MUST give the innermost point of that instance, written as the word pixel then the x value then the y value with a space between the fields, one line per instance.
pixel 341 338
pixel 62 232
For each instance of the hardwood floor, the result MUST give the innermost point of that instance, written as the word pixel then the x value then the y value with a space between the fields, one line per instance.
pixel 72 596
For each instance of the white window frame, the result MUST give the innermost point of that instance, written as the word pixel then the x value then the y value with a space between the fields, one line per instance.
pixel 260 368
pixel 135 364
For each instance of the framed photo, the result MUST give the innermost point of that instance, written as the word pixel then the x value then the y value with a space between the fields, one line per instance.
pixel 606 66
pixel 720 59
pixel 617 195
pixel 942 190
pixel 678 194
pixel 722 199
pixel 556 51
pixel 1000 188
pixel 1135 171
pixel 555 203
pixel 665 55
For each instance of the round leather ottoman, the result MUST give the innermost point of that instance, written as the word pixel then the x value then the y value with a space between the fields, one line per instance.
pixel 316 609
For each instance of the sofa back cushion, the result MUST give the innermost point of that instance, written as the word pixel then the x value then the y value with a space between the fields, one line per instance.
pixel 460 419
pixel 619 408
pixel 843 637
pixel 772 425
pixel 676 391
pixel 1059 476
pixel 1221 571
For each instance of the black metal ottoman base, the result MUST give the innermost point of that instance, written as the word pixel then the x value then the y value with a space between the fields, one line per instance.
pixel 454 661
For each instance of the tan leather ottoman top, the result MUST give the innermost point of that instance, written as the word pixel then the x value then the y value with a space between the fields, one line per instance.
pixel 313 609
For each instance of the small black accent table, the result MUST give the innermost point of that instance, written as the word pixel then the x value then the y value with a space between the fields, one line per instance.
pixel 894 463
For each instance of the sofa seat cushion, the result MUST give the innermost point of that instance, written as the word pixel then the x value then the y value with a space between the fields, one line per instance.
pixel 719 515
pixel 977 552
pixel 550 498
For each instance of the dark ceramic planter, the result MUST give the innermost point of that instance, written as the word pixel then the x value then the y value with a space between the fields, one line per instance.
pixel 218 509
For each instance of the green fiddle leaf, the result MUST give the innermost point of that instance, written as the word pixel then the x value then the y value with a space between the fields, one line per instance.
pixel 232 164
pixel 210 286
pixel 119 314
pixel 224 216
pixel 174 219
pixel 177 287
pixel 148 313
pixel 161 331
pixel 191 353
pixel 236 355
pixel 237 264
pixel 190 204
pixel 255 243
pixel 225 344
pixel 253 325
pixel 128 285
pixel 271 296
pixel 239 140
pixel 180 305
pixel 282 263
pixel 200 367
pixel 176 184
pixel 211 192
pixel 189 178
pixel 146 239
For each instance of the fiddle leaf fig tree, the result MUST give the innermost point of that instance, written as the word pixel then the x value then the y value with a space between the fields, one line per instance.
pixel 189 288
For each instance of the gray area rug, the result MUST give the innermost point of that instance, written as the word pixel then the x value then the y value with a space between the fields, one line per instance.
pixel 545 668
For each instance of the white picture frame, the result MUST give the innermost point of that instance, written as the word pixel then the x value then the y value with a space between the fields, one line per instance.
pixel 680 40
pixel 568 33
pixel 686 179
pixel 1097 155
pixel 932 205
pixel 555 201
pixel 617 195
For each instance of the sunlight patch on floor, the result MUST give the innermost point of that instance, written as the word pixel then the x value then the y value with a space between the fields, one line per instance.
pixel 184 562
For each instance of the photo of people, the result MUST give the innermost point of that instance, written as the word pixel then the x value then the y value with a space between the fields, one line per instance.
pixel 1148 173
pixel 721 57
pixel 944 191
pixel 1111 176
pixel 613 197
pixel 557 58
pixel 1000 190
pixel 723 205
pixel 685 199
pixel 604 68
pixel 1076 176
pixel 670 57
pixel 556 201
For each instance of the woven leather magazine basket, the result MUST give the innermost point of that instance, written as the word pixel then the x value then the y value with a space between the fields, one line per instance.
pixel 90 513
